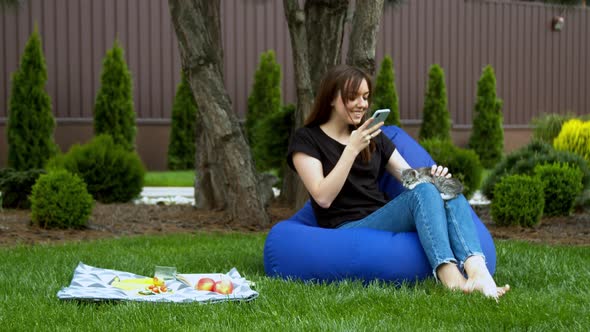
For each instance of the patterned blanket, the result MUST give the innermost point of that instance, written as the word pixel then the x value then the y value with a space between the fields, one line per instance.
pixel 97 284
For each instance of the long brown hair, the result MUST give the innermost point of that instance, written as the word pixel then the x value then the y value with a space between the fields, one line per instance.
pixel 345 80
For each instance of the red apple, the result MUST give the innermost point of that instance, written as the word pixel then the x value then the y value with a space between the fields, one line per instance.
pixel 206 284
pixel 223 286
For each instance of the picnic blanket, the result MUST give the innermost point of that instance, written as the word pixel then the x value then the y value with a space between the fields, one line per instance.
pixel 97 284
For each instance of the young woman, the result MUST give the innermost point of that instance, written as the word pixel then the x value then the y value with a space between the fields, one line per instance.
pixel 340 158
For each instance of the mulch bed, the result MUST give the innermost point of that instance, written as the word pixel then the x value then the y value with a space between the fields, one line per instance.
pixel 567 230
pixel 121 220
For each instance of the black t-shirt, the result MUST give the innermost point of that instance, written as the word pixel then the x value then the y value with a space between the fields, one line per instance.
pixel 360 195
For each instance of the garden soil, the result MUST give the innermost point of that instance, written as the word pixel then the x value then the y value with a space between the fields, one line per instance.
pixel 124 220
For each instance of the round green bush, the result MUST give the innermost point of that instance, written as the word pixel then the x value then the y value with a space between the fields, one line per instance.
pixel 463 163
pixel 111 172
pixel 518 200
pixel 524 160
pixel 562 185
pixel 59 199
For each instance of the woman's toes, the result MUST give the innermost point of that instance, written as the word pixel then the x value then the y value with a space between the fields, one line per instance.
pixel 503 290
pixel 485 286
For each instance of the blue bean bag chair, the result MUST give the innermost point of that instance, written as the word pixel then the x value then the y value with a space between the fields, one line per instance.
pixel 298 248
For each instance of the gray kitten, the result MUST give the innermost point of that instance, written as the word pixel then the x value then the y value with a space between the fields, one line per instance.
pixel 448 187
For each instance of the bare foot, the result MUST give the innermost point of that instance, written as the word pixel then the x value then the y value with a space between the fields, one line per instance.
pixel 451 277
pixel 486 286
pixel 481 280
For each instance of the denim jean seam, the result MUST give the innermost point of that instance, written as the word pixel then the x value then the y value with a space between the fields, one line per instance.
pixel 437 258
pixel 427 227
pixel 466 249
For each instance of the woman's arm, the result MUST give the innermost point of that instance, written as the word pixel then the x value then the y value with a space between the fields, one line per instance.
pixel 396 164
pixel 324 189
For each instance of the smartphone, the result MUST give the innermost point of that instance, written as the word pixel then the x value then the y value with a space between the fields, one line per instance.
pixel 379 116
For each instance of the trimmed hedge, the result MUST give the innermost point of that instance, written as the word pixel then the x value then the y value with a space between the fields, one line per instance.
pixel 112 173
pixel 60 199
pixel 524 160
pixel 518 200
pixel 562 185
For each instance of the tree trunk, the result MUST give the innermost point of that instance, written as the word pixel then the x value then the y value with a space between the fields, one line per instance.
pixel 324 22
pixel 363 35
pixel 293 191
pixel 316 40
pixel 226 177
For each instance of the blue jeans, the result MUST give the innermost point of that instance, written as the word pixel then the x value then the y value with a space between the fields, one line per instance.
pixel 445 228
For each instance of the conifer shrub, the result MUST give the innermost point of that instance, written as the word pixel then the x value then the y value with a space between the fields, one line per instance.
pixel 562 184
pixel 385 94
pixel 524 160
pixel 518 200
pixel 272 135
pixel 463 164
pixel 436 120
pixel 487 136
pixel 16 187
pixel 30 121
pixel 60 200
pixel 113 109
pixel 575 137
pixel 265 97
pixel 583 200
pixel 111 172
pixel 181 148
pixel 547 126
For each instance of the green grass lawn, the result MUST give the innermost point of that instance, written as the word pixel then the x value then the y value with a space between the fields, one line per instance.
pixel 550 291
pixel 170 179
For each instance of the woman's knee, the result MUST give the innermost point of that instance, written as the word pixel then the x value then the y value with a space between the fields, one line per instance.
pixel 427 190
pixel 459 200
pixel 427 196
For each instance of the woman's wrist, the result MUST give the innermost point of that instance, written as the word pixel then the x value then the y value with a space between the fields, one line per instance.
pixel 349 149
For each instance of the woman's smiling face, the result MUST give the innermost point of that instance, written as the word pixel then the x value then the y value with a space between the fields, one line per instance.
pixel 352 107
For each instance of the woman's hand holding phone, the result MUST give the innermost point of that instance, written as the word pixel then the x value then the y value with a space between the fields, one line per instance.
pixel 361 138
pixel 379 116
